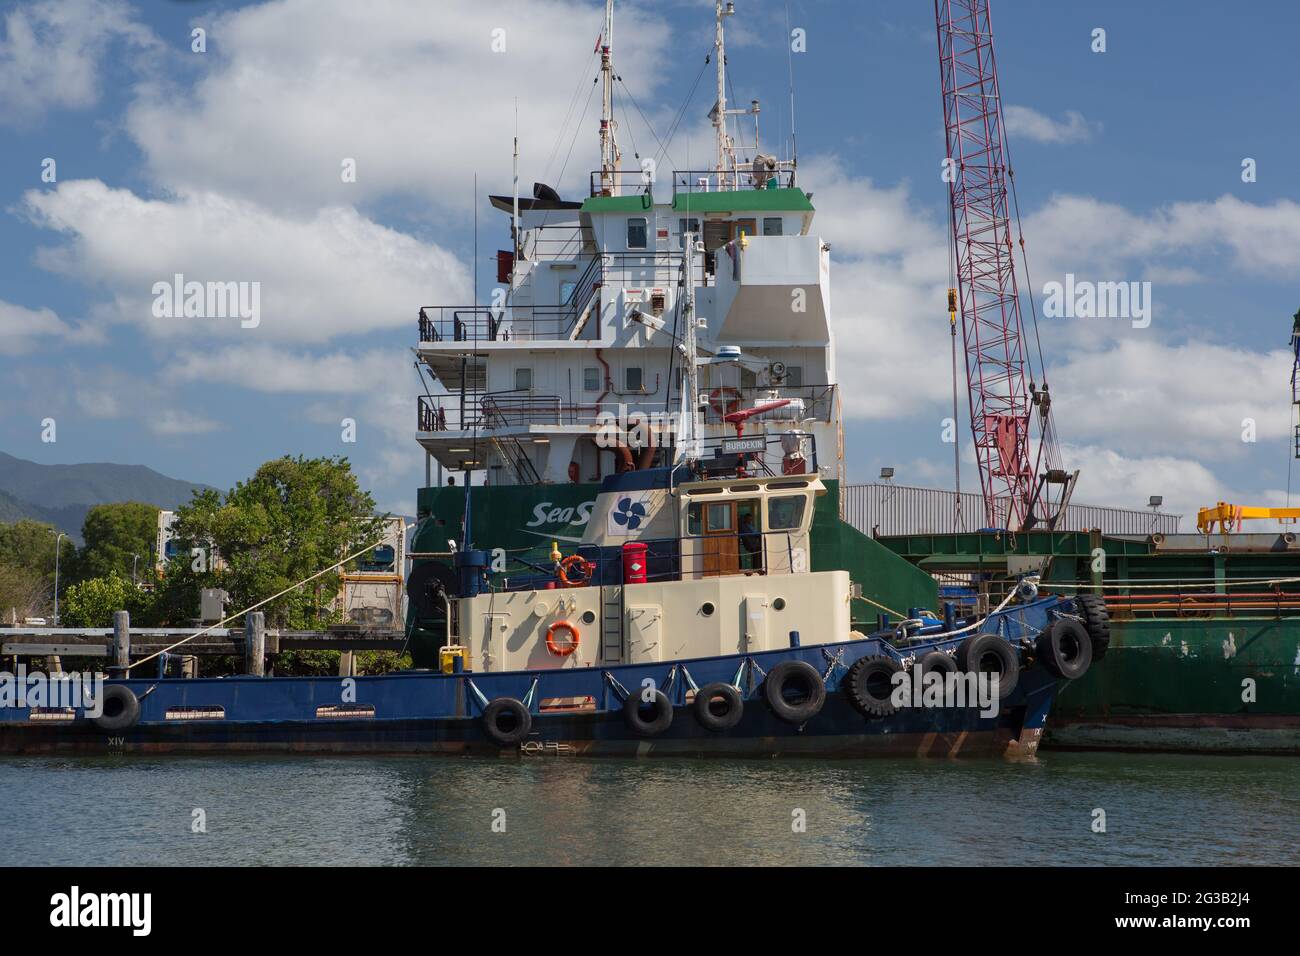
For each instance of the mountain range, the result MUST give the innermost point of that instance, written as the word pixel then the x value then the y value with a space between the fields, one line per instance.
pixel 62 494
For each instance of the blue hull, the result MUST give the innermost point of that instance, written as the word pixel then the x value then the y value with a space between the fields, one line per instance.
pixel 424 712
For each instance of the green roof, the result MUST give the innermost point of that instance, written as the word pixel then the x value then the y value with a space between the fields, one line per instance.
pixel 789 199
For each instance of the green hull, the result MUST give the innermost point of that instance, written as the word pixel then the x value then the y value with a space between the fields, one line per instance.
pixel 1179 684
pixel 1223 682
pixel 525 519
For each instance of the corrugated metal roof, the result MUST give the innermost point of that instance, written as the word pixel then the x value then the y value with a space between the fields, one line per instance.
pixel 888 509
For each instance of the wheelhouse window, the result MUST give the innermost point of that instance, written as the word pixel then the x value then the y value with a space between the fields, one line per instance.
pixel 785 513
pixel 636 233
pixel 794 376
pixel 633 379
pixel 523 379
pixel 591 380
pixel 772 225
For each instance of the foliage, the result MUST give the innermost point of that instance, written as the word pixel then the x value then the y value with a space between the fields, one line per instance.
pixel 23 592
pixel 293 518
pixel 91 603
pixel 114 535
pixel 30 545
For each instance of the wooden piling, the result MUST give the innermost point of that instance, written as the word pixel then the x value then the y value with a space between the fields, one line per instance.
pixel 255 643
pixel 121 641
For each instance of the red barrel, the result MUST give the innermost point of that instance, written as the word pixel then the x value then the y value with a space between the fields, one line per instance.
pixel 634 562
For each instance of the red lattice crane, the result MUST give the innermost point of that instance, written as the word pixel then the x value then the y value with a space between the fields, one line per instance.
pixel 1017 472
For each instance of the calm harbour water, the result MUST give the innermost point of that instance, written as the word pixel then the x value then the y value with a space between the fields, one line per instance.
pixel 1160 809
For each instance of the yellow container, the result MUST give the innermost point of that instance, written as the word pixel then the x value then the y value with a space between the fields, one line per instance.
pixel 447 657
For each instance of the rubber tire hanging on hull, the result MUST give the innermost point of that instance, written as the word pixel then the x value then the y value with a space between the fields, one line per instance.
pixel 1096 618
pixel 979 651
pixel 793 674
pixel 636 720
pixel 519 721
pixel 1065 649
pixel 708 697
pixel 869 685
pixel 121 719
pixel 933 662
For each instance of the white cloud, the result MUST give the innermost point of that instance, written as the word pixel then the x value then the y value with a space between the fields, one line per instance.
pixel 1151 397
pixel 171 422
pixel 329 273
pixel 20 328
pixel 412 91
pixel 1030 124
pixel 51 54
pixel 267 369
pixel 1087 236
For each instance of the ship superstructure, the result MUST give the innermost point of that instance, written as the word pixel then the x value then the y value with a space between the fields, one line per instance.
pixel 574 371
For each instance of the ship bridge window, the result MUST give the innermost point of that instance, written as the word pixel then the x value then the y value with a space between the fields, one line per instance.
pixel 636 233
pixel 772 225
pixel 785 513
pixel 523 379
pixel 591 380
pixel 633 380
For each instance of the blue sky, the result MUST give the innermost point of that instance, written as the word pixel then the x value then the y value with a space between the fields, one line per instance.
pixel 225 165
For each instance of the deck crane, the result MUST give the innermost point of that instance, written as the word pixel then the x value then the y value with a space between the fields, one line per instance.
pixel 1015 444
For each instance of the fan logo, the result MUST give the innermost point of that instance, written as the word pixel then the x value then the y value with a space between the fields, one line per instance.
pixel 629 514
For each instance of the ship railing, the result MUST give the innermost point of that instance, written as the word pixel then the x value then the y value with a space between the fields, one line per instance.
pixel 499 410
pixel 691 556
pixel 559 242
pixel 473 324
pixel 1186 600
pixel 741 178
pixel 622 182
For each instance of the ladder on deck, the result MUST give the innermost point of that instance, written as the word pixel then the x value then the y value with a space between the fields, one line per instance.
pixel 611 624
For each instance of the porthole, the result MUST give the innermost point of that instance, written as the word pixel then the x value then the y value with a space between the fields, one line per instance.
pixel 778 604
pixel 588 617
pixel 707 609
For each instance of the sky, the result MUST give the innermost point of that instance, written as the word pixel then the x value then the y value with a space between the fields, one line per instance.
pixel 326 150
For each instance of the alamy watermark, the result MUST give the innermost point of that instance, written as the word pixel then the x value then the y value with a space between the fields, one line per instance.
pixel 933 689
pixel 208 300
pixel 1084 299
pixel 636 429
pixel 25 688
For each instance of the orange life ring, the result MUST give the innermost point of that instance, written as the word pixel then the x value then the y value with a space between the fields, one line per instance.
pixel 566 649
pixel 724 400
pixel 574 561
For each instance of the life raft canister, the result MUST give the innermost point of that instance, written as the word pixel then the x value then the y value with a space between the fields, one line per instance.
pixel 567 648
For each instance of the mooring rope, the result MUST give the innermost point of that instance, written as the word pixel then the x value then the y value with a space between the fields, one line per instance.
pixel 254 607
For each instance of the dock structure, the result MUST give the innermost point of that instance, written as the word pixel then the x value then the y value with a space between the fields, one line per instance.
pixel 121 644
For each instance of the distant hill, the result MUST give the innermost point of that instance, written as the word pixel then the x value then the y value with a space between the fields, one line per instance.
pixel 62 494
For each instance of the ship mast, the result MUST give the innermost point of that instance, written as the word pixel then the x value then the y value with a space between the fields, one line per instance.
pixel 722 11
pixel 610 157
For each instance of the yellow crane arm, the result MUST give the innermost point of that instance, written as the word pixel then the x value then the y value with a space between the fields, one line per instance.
pixel 1229 517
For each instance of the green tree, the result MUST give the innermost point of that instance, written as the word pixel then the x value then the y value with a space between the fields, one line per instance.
pixel 23 594
pixel 115 534
pixel 91 603
pixel 294 517
pixel 30 544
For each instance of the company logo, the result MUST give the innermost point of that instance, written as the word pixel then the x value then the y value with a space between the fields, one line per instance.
pixel 628 513
pixel 74 908
pixel 546 513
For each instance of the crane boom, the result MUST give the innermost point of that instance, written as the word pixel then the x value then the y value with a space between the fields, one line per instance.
pixel 1002 396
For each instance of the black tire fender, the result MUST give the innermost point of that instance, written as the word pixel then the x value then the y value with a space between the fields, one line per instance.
pixel 1096 618
pixel 869 685
pixel 1065 649
pixel 931 662
pixel 507 722
pixel 795 675
pixel 648 718
pixel 120 708
pixel 989 653
pixel 718 706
